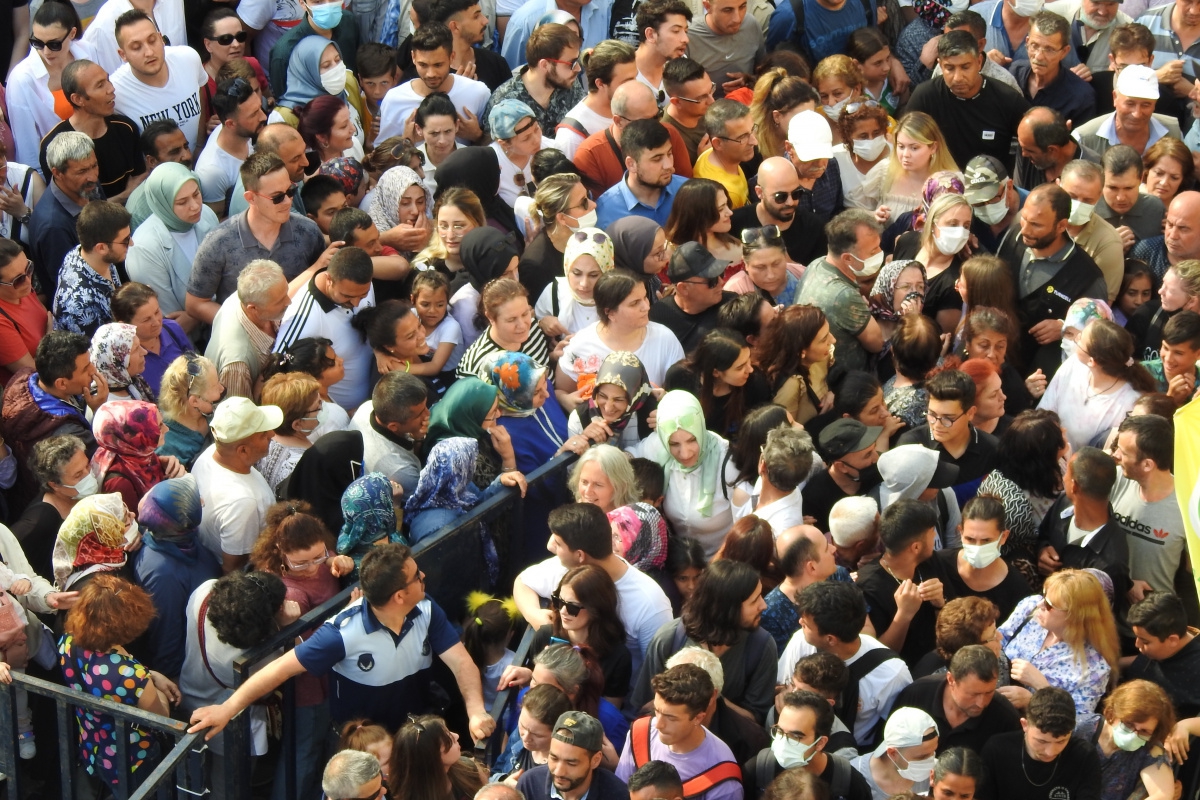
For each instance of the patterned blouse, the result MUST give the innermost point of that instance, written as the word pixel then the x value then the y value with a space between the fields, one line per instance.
pixel 1120 773
pixel 1022 637
pixel 83 300
pixel 909 403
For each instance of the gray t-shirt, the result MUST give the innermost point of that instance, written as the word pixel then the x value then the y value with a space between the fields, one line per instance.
pixel 1144 219
pixel 1154 532
pixel 720 55
pixel 228 248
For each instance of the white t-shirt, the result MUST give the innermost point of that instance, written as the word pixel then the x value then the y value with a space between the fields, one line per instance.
pixel 852 179
pixel 381 454
pixel 659 352
pixel 178 99
pixel 876 691
pixel 1085 416
pixel 573 315
pixel 786 512
pixel 467 94
pixel 682 502
pixel 660 94
pixel 510 189
pixel 218 171
pixel 568 139
pixel 643 606
pixel 448 330
pixel 101 31
pixel 235 505
pixel 464 305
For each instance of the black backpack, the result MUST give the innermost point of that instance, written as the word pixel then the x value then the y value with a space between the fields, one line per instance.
pixel 847 706
pixel 766 768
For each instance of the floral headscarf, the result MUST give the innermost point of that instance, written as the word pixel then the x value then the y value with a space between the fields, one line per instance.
pixel 346 170
pixel 625 370
pixel 369 514
pixel 1078 315
pixel 518 377
pixel 587 242
pixel 445 481
pixel 681 411
pixel 932 12
pixel 90 539
pixel 171 512
pixel 127 433
pixel 385 206
pixel 939 183
pixel 883 293
pixel 111 346
pixel 640 535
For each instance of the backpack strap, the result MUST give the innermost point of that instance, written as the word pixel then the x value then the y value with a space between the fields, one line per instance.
pixel 554 298
pixel 573 124
pixel 639 740
pixel 839 787
pixel 847 709
pixel 679 639
pixel 764 770
pixel 711 777
pixel 616 148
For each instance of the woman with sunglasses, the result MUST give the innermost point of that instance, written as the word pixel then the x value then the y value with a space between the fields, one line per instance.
pixel 560 207
pixel 701 213
pixel 1131 740
pixel 768 268
pixel 1065 637
pixel 187 397
pixel 34 94
pixel 224 37
pixel 24 321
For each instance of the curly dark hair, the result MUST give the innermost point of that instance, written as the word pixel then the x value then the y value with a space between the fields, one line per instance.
pixel 1028 452
pixel 962 622
pixel 242 607
pixel 714 614
pixel 290 526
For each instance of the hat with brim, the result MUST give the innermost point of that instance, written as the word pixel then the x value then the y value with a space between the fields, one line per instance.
pixel 238 418
pixel 810 136
pixel 845 436
pixel 693 260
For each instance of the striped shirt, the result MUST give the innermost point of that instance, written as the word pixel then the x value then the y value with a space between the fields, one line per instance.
pixel 475 358
pixel 1167 46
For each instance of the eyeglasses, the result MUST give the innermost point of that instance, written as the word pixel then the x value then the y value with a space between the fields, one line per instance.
pixel 942 421
pixel 53 45
pixel 572 609
pixel 418 578
pixel 743 140
pixel 1037 49
pixel 766 236
pixel 226 39
pixel 707 96
pixel 599 237
pixel 781 197
pixel 777 731
pixel 518 131
pixel 853 107
pixel 19 281
pixel 572 64
pixel 458 230
pixel 128 240
pixel 281 197
pixel 316 562
pixel 711 283
pixel 378 794
pixel 1048 605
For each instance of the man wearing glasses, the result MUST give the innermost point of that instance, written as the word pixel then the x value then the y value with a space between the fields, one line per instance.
pixel 88 276
pixel 692 94
pixel 268 229
pixel 1045 79
pixel 779 195
pixel 730 130
pixel 547 84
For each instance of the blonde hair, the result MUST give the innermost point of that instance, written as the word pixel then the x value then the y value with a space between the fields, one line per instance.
pixel 920 126
pixel 776 90
pixel 465 201
pixel 177 385
pixel 838 66
pixel 293 392
pixel 553 196
pixel 1089 616
pixel 1189 273
pixel 941 205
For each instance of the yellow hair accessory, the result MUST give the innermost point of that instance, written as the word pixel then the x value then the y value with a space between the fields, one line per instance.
pixel 510 605
pixel 476 601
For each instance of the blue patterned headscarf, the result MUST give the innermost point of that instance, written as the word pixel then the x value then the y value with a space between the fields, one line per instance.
pixel 446 479
pixel 369 514
pixel 517 376
pixel 171 511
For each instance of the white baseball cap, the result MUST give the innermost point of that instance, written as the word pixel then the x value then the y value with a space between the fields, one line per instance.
pixel 238 418
pixel 810 136
pixel 1137 80
pixel 907 727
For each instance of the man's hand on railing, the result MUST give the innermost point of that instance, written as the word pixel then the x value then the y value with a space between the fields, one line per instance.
pixel 5 675
pixel 481 726
pixel 514 676
pixel 215 718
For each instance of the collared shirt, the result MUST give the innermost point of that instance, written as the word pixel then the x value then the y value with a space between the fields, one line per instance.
pixel 1036 271
pixel 1108 129
pixel 548 116
pixel 1068 94
pixel 236 376
pixel 997 34
pixel 226 251
pixel 619 201
pixel 1144 218
pixel 1167 46
pixel 593 20
pixel 825 197
pixel 82 302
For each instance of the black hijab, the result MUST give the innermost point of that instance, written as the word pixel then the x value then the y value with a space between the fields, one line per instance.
pixel 323 473
pixel 486 254
pixel 478 169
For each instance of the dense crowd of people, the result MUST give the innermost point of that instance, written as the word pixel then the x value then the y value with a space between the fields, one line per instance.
pixel 867 321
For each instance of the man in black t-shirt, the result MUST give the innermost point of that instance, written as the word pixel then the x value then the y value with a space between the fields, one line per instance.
pixel 1169 651
pixel 1042 762
pixel 848 447
pixel 692 310
pixel 778 191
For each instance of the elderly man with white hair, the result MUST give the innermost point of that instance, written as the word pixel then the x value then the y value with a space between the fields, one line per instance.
pixel 744 737
pixel 353 775
pixel 1135 93
pixel 854 528
pixel 243 330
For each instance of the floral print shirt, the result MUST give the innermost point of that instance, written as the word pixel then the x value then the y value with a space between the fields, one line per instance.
pixel 83 300
pixel 1022 637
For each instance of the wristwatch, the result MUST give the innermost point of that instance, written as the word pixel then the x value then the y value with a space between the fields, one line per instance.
pixel 24 218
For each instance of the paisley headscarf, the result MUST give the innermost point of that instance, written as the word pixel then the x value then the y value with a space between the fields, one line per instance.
pixel 939 183
pixel 385 206
pixel 587 242
pixel 883 293
pixel 1078 315
pixel 460 412
pixel 91 538
pixel 517 376
pixel 445 480
pixel 369 513
pixel 625 370
pixel 932 12
pixel 161 187
pixel 111 346
pixel 127 433
pixel 681 411
pixel 171 513
pixel 304 72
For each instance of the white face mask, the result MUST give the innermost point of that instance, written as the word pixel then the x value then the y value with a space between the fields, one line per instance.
pixel 587 220
pixel 950 240
pixel 870 266
pixel 959 5
pixel 792 754
pixel 1081 213
pixel 1125 738
pixel 1027 8
pixel 834 111
pixel 980 556
pixel 869 149
pixel 333 80
pixel 1069 348
pixel 88 485
pixel 993 212
pixel 917 771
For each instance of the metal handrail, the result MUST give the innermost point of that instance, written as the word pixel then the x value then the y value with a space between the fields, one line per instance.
pixel 488 749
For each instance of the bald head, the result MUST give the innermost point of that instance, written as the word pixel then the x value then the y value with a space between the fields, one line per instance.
pixel 777 178
pixel 633 100
pixel 1186 204
pixel 274 135
pixel 785 539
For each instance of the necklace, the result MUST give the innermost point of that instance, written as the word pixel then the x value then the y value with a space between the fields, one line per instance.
pixel 1026 772
pixel 1106 389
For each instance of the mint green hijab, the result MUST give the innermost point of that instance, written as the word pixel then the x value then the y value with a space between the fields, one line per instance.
pixel 681 411
pixel 162 185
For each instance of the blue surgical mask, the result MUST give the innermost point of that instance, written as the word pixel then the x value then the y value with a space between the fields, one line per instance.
pixel 326 15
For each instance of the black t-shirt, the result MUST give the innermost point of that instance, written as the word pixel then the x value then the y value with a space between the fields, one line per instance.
pixel 118 152
pixel 1013 773
pixel 540 265
pixel 879 588
pixel 688 328
pixel 1179 675
pixel 6 33
pixel 1010 591
pixel 983 125
pixel 973 465
pixel 616 664
pixel 928 694
pixel 804 238
pixel 940 294
pixel 821 493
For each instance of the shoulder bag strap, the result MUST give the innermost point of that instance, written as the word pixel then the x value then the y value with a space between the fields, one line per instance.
pixel 200 617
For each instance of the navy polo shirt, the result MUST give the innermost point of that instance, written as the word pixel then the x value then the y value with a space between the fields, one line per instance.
pixel 377 674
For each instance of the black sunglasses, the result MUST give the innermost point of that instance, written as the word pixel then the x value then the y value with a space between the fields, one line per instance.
pixel 574 609
pixel 795 194
pixel 767 235
pixel 19 281
pixel 282 196
pixel 226 39
pixel 53 45
pixel 239 88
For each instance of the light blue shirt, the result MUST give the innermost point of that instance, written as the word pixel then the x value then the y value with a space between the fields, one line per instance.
pixel 997 35
pixel 618 201
pixel 594 20
pixel 1108 129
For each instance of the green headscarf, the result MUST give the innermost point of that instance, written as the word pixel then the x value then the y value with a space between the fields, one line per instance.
pixel 681 411
pixel 460 412
pixel 162 185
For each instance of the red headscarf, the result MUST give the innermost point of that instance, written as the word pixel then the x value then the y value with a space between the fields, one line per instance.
pixel 127 433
